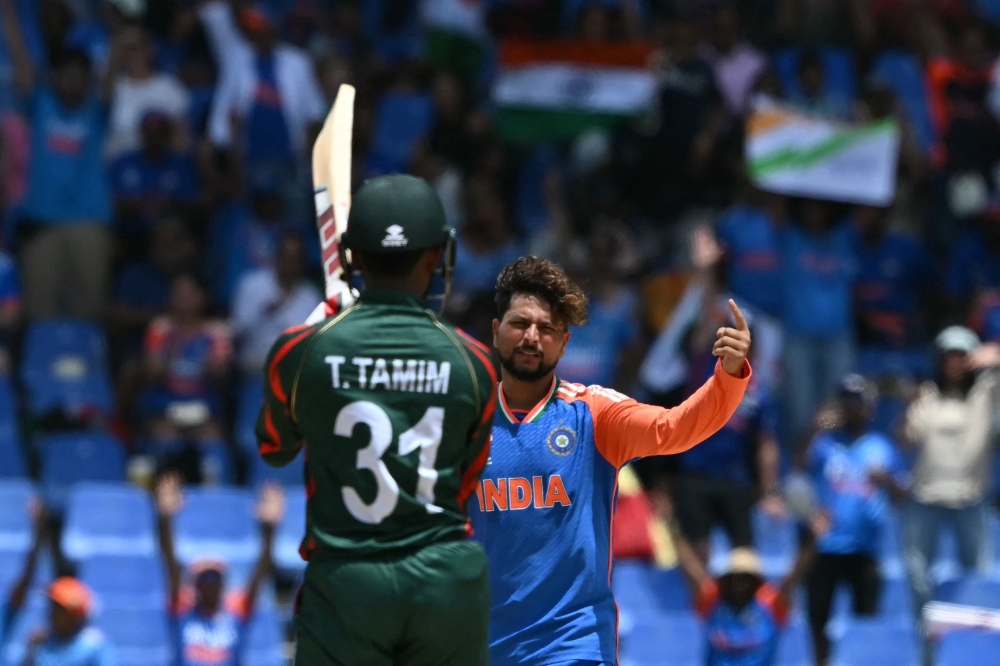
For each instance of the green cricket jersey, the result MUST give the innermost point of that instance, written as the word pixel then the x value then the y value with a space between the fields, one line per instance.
pixel 394 409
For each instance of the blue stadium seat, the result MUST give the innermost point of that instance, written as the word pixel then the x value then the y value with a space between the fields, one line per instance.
pixel 249 397
pixel 795 646
pixel 15 520
pixel 264 644
pixel 665 640
pixel 290 532
pixel 69 458
pixel 11 454
pixel 11 566
pixel 65 366
pixel 969 646
pixel 890 547
pixel 292 474
pixel 125 581
pixel 776 541
pixel 217 522
pixel 33 616
pixel 140 635
pixel 108 519
pixel 970 591
pixel 642 589
pixel 876 643
pixel 400 121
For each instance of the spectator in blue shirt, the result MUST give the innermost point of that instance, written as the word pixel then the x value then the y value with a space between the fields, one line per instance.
pixel 152 180
pixel 974 263
pixel 818 272
pixel 856 473
pixel 895 277
pixel 66 245
pixel 10 306
pixel 209 624
pixel 603 352
pixel 68 640
pixel 744 614
pixel 750 238
pixel 721 479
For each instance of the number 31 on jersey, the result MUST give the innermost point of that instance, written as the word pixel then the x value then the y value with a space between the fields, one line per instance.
pixel 425 436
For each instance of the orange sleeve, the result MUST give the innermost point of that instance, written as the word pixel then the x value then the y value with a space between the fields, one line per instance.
pixel 769 597
pixel 625 430
pixel 708 597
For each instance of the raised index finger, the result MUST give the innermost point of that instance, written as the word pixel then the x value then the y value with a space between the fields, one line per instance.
pixel 741 322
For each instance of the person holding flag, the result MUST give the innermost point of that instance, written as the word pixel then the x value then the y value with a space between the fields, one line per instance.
pixel 544 507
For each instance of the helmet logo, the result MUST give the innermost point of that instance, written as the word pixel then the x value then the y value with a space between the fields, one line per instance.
pixel 394 237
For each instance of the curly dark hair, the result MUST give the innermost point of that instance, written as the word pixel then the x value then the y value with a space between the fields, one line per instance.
pixel 542 278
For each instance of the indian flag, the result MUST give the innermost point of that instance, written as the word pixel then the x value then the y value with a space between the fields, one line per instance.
pixel 557 89
pixel 795 154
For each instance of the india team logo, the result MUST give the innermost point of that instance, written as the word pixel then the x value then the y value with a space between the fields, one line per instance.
pixel 562 441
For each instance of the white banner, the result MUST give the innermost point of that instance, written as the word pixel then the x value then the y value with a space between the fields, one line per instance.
pixel 798 155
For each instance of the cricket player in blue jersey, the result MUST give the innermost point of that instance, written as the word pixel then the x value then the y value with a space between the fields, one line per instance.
pixel 545 505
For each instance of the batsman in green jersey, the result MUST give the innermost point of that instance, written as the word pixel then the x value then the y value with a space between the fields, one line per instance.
pixel 393 409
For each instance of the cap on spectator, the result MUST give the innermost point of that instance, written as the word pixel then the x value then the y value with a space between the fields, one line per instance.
pixel 72 595
pixel 743 561
pixel 857 386
pixel 208 565
pixel 258 17
pixel 956 338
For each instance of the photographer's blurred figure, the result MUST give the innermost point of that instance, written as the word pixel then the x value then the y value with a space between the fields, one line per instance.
pixel 856 473
pixel 210 624
pixel 950 426
pixel 69 639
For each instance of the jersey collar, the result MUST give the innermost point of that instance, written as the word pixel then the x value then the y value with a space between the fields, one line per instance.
pixel 535 413
pixel 391 297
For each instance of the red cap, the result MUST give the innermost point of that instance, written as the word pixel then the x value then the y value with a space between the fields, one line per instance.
pixel 72 595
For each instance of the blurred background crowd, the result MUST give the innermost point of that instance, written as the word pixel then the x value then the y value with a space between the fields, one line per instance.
pixel 158 235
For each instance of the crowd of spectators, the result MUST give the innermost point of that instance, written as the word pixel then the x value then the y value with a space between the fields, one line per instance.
pixel 155 184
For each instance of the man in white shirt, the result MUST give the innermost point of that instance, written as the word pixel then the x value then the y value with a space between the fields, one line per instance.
pixel 271 87
pixel 140 89
pixel 269 301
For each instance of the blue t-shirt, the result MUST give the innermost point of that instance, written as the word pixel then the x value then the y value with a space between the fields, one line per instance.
pixel 174 178
pixel 972 266
pixel 754 257
pixel 891 277
pixel 841 469
pixel 215 640
pixel 592 354
pixel 989 328
pixel 748 637
pixel 67 182
pixel 730 453
pixel 477 272
pixel 267 130
pixel 87 648
pixel 818 275
pixel 156 184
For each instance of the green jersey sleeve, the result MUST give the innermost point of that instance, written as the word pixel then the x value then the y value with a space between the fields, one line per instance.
pixel 278 436
pixel 479 451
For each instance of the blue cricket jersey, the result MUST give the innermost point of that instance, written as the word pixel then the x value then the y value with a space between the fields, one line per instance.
pixel 745 637
pixel 544 509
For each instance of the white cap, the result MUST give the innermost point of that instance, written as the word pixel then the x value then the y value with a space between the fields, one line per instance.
pixel 956 338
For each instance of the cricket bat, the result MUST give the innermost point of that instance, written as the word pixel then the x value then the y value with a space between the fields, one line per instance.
pixel 331 167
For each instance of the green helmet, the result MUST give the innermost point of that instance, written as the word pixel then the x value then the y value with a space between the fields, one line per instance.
pixel 396 213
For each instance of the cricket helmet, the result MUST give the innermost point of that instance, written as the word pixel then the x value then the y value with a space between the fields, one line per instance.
pixel 396 213
pixel 399 213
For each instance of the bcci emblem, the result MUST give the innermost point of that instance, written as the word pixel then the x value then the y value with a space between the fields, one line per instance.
pixel 562 441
